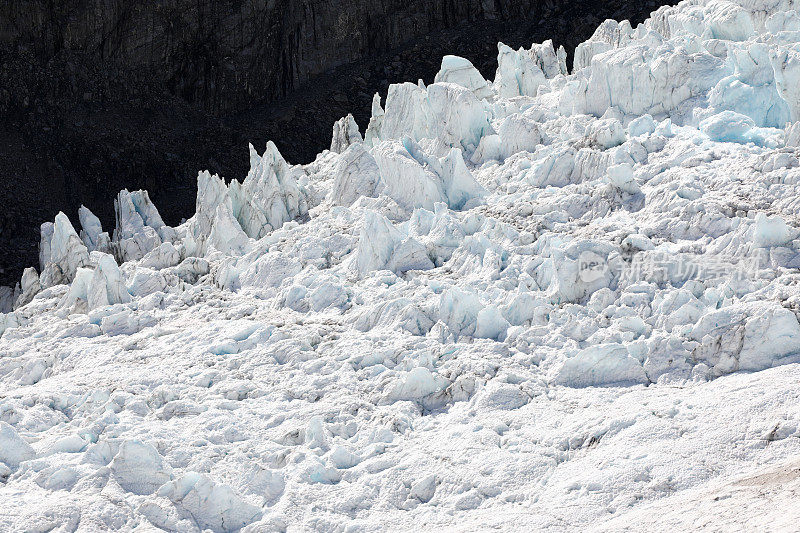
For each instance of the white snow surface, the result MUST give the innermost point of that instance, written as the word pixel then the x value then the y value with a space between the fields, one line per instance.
pixel 557 301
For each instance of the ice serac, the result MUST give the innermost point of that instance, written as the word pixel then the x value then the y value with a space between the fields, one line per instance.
pixel 268 196
pixel 605 364
pixel 621 177
pixel 444 111
pixel 580 269
pixel 62 252
pixel 92 233
pixel 786 65
pixel 459 309
pixel 416 385
pixel 730 126
pixel 414 177
pixel 404 179
pixel 214 225
pixel 77 298
pixel 515 133
pixel 213 505
pixel 30 285
pixel 746 337
pixel 211 193
pixel 139 468
pixel 636 81
pixel 45 236
pixel 373 132
pixel 793 136
pixel 107 285
pixel 462 72
pixel 227 236
pixel 753 88
pixel 356 174
pixel 608 36
pixel 382 246
pixel 772 231
pixel 13 448
pixel 521 72
pixel 139 228
pixel 639 72
pixel 345 133
pixel 455 179
pixel 491 324
pixel 10 320
pixel 551 61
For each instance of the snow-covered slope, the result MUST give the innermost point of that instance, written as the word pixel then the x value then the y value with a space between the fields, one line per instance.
pixel 552 300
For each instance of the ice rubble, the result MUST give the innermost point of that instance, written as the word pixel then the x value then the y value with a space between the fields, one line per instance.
pixel 495 267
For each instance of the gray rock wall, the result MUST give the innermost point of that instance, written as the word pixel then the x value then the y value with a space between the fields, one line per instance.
pixel 221 53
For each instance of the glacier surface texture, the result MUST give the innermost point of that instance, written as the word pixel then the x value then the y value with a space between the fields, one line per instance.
pixel 566 298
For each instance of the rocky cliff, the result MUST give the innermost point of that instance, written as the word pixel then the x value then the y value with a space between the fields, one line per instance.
pixel 223 53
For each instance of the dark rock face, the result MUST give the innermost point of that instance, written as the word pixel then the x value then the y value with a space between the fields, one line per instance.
pixel 220 54
pixel 99 95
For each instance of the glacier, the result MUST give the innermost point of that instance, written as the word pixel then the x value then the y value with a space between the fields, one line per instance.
pixel 562 299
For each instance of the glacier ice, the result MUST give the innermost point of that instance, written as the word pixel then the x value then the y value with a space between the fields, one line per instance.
pixel 345 133
pixel 29 286
pixel 213 506
pixel 211 193
pixel 416 384
pixel 382 246
pixel 772 231
pixel 730 126
pixel 603 364
pixel 92 233
pixel 462 72
pixel 139 227
pixel 450 113
pixel 356 174
pixel 63 253
pixel 621 177
pixel 107 286
pixel 504 284
pixel 521 72
pixel 138 468
pixel 226 235
pixel 13 449
pixel 406 181
pixel 268 196
pixel 746 337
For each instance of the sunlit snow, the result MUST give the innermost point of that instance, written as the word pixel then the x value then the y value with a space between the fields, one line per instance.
pixel 551 300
